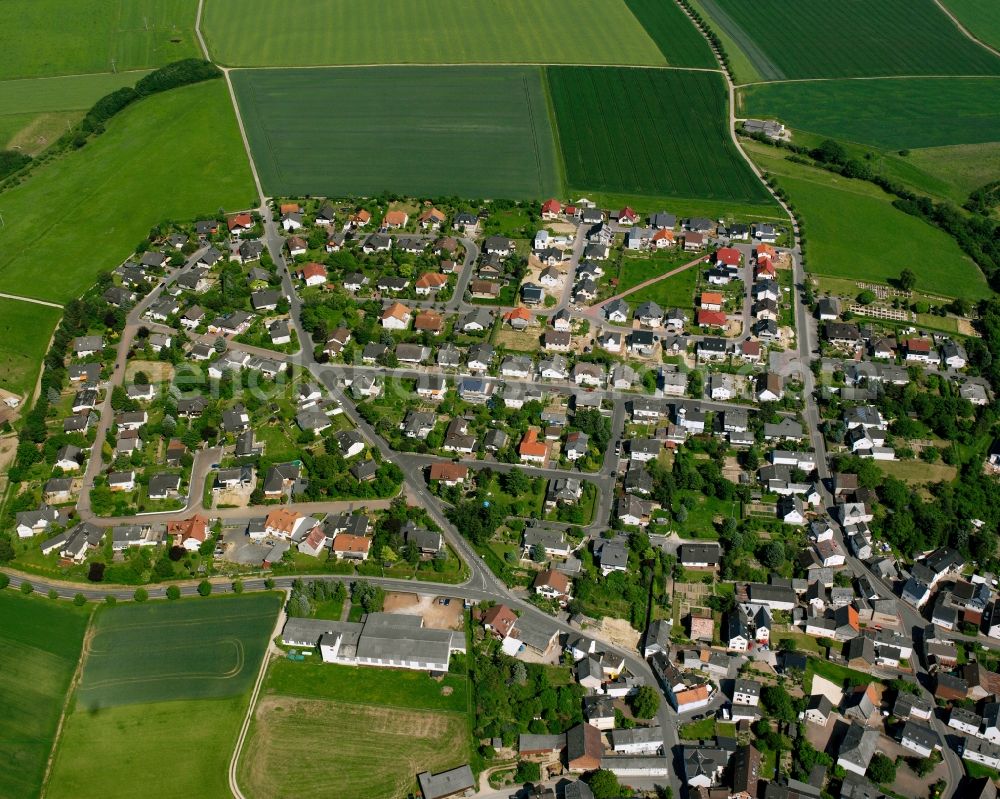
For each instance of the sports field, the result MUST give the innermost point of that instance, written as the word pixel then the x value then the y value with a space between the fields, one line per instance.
pixel 853 231
pixel 890 113
pixel 39 647
pixel 171 156
pixel 260 33
pixel 981 17
pixel 25 330
pixel 851 38
pixel 401 723
pixel 423 131
pixel 641 131
pixel 158 678
pixel 55 37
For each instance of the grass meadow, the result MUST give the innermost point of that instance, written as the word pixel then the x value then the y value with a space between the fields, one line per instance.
pixel 260 33
pixel 674 291
pixel 401 723
pixel 656 132
pixel 158 678
pixel 895 37
pixel 853 231
pixel 25 330
pixel 422 131
pixel 40 644
pixel 172 156
pixel 891 114
pixel 59 38
pixel 980 17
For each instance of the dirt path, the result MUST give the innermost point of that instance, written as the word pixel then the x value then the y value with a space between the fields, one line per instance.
pixel 88 638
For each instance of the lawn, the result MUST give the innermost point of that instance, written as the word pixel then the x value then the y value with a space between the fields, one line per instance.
pixel 330 32
pixel 833 672
pixel 40 644
pixel 25 330
pixel 192 649
pixel 657 132
pixel 918 472
pixel 155 675
pixel 678 39
pixel 176 155
pixel 674 291
pixel 423 131
pixel 838 211
pixel 60 38
pixel 698 730
pixel 890 114
pixel 981 17
pixel 400 723
pixel 961 168
pixel 891 37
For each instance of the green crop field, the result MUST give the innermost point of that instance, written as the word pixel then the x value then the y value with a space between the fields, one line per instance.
pixel 400 722
pixel 25 330
pixel 851 38
pixel 424 131
pixel 261 33
pixel 175 155
pixel 853 231
pixel 160 651
pixel 163 677
pixel 678 39
pixel 642 131
pixel 893 114
pixel 53 37
pixel 40 644
pixel 980 17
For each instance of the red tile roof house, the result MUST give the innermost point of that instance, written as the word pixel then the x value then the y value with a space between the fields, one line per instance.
pixel 313 274
pixel 428 322
pixel 711 318
pixel 499 620
pixel 432 219
pixel 189 533
pixel 552 585
pixel 627 216
pixel 531 449
pixel 395 219
pixel 239 223
pixel 361 218
pixel 551 209
pixel 451 474
pixel 430 282
pixel 727 256
pixel 694 241
pixel 711 301
pixel 354 547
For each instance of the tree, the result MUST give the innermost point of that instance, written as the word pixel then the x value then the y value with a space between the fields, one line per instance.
pixel 79 600
pixel 882 770
pixel 204 588
pixel 4 581
pixel 111 600
pixel 26 588
pixel 269 584
pixel 867 297
pixel 140 595
pixel 777 702
pixel 53 594
pixel 645 702
pixel 6 549
pixel 603 783
pixel 772 555
pixel 907 280
pixel 237 587
pixel 528 771
pixel 173 592
pixel 538 553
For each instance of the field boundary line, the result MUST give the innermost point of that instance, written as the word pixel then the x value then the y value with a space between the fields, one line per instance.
pixel 70 696
pixel 291 695
pixel 19 298
pixel 866 77
pixel 968 34
pixel 469 64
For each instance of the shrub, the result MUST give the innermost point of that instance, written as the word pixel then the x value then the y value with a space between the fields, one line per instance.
pixel 79 600
pixel 26 588
pixel 53 594
pixel 237 587
pixel 173 592
pixel 4 581
pixel 140 595
pixel 204 588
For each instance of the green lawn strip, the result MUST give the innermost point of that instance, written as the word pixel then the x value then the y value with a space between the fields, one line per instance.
pixel 56 38
pixel 25 330
pixel 980 17
pixel 834 672
pixel 422 131
pixel 898 37
pixel 681 43
pixel 837 211
pixel 367 686
pixel 649 132
pixel 260 33
pixel 144 739
pixel 40 644
pixel 175 155
pixel 644 204
pixel 891 114
pixel 63 93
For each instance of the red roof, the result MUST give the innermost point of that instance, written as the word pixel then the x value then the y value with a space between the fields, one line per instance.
pixel 551 207
pixel 362 217
pixel 750 347
pixel 918 345
pixel 448 471
pixel 519 312
pixel 313 270
pixel 196 527
pixel 531 446
pixel 765 251
pixel 711 318
pixel 728 255
pixel 765 268
pixel 553 579
pixel 395 218
pixel 430 280
pixel 501 618
pixel 239 220
pixel 345 542
pixel 627 213
pixel 711 298
pixel 289 208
